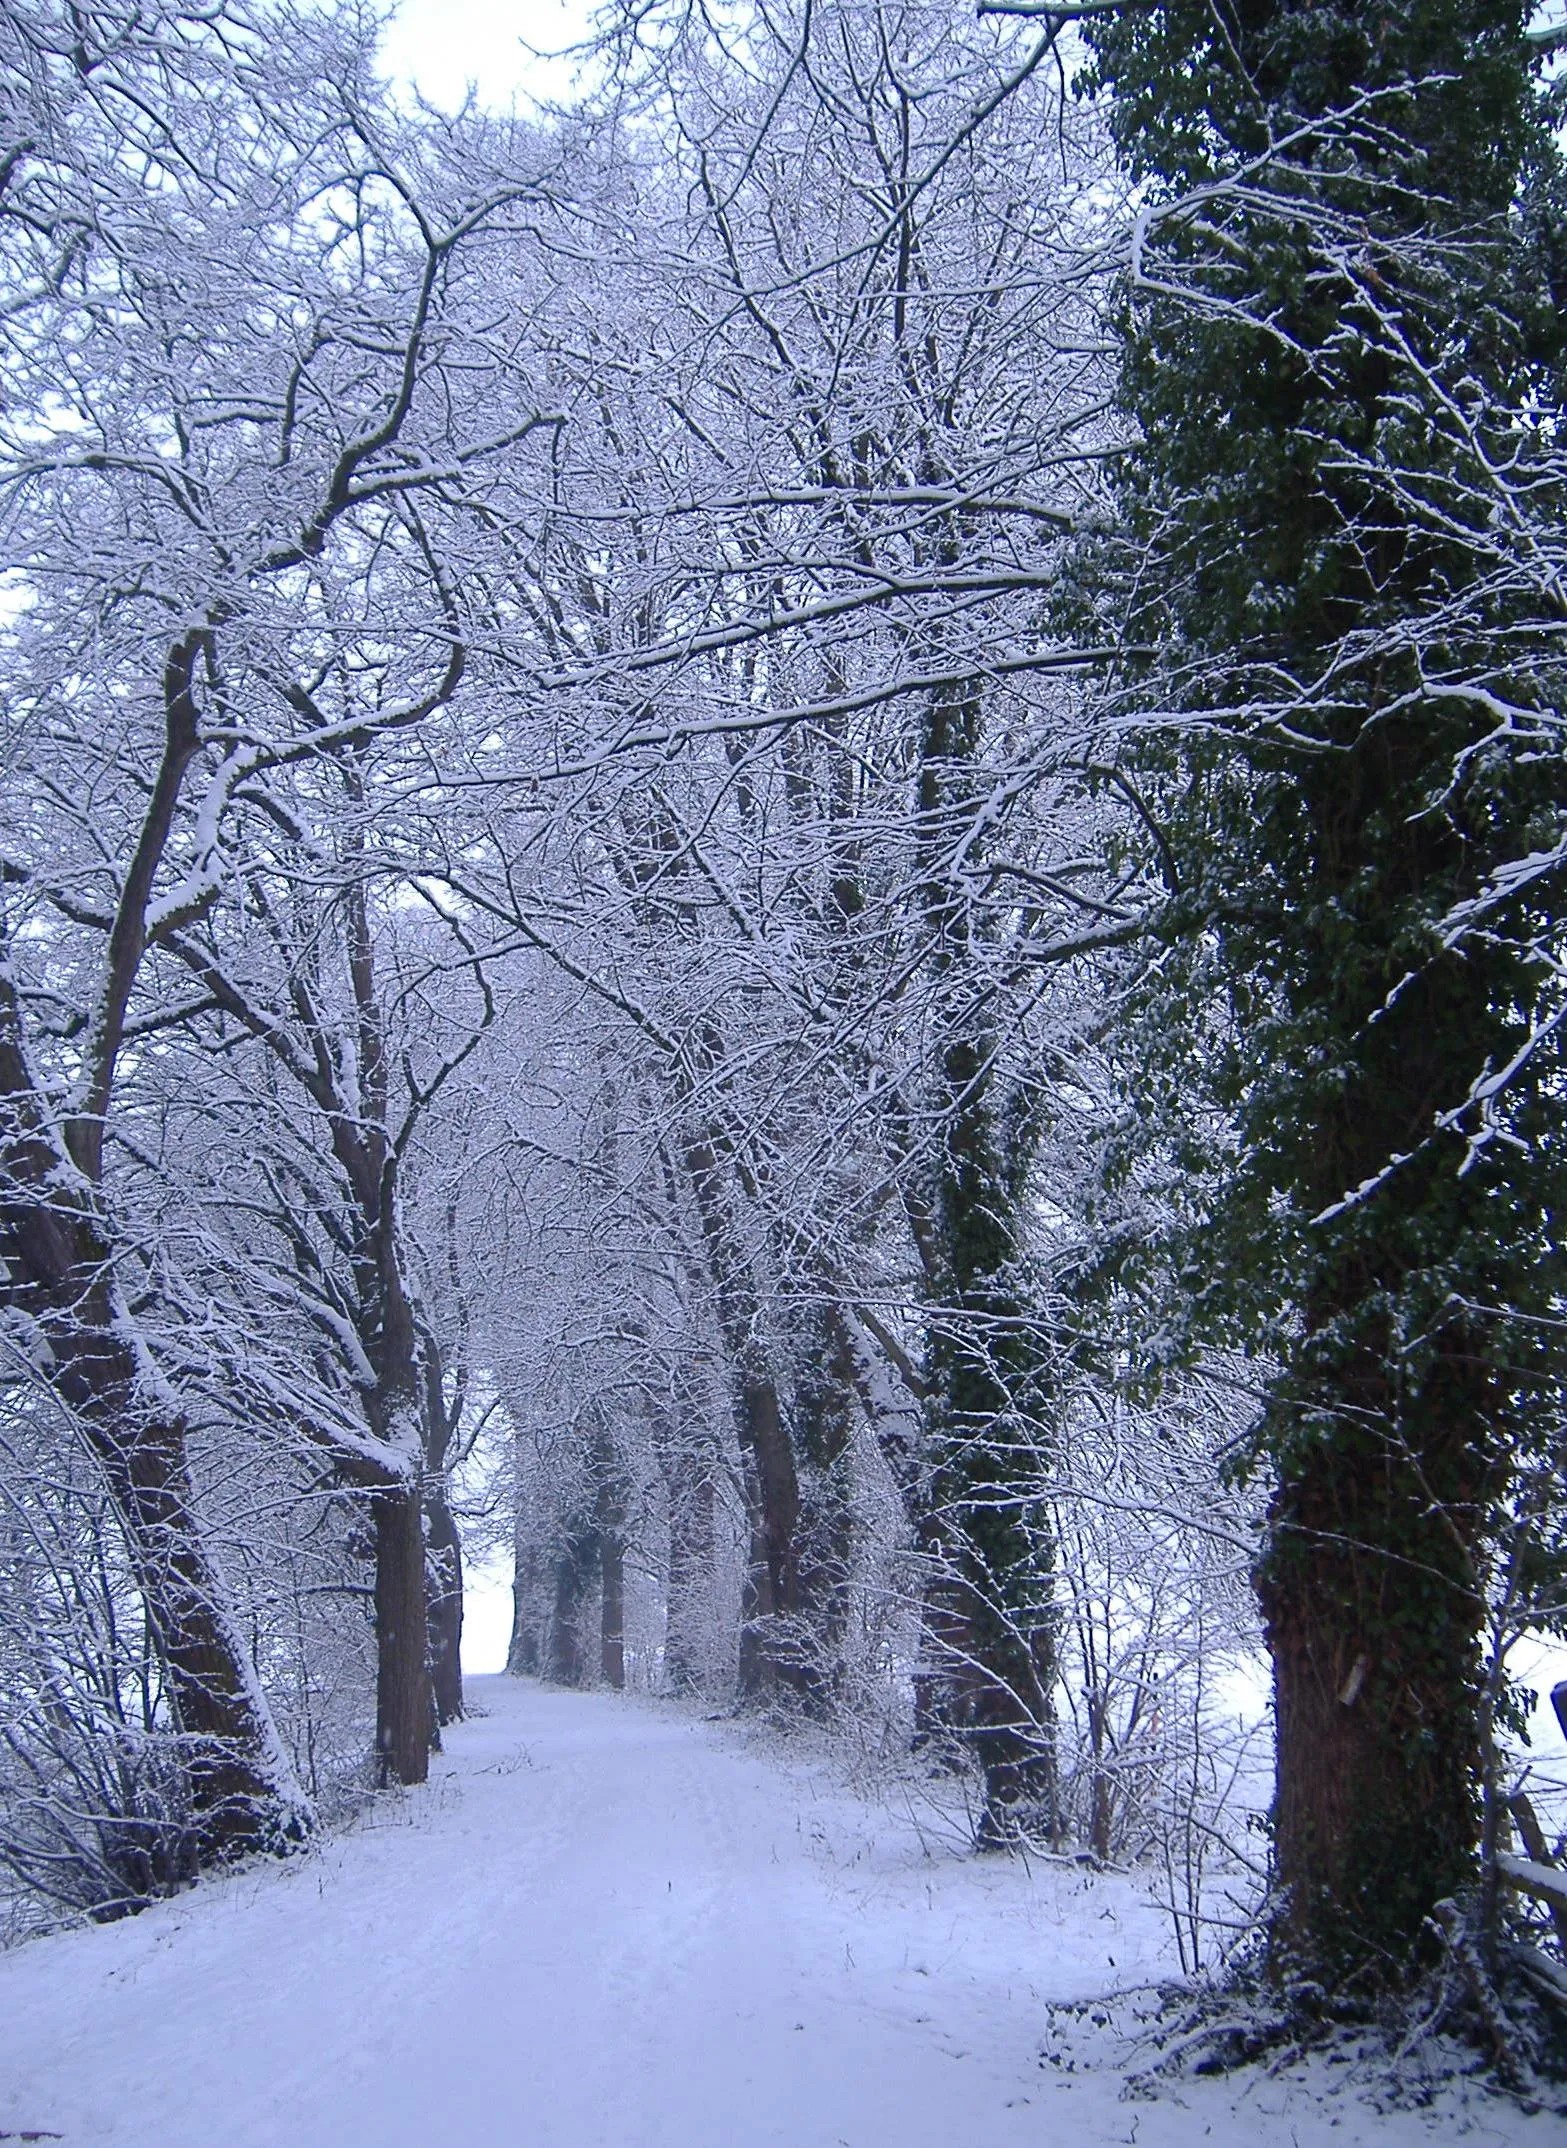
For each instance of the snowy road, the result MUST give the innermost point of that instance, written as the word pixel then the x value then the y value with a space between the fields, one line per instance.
pixel 608 1926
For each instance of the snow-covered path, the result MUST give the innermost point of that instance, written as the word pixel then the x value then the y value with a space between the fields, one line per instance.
pixel 604 1926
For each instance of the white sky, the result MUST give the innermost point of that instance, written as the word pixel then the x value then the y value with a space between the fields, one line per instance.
pixel 441 48
pixel 486 1614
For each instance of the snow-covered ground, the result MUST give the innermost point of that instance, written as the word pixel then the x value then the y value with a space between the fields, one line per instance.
pixel 608 1925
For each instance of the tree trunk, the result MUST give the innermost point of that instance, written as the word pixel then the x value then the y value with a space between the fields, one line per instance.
pixel 1373 1614
pixel 1391 1427
pixel 404 1708
pixel 692 1518
pixel 612 1616
pixel 990 1668
pixel 772 1588
pixel 827 1402
pixel 609 1527
pixel 58 1273
pixel 574 1571
pixel 1101 1814
pixel 769 1651
pixel 525 1655
pixel 990 1624
pixel 240 1789
pixel 445 1588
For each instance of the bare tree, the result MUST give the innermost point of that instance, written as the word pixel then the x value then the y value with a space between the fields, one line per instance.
pixel 229 282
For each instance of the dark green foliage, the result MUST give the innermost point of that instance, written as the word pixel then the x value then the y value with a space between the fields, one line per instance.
pixel 1341 369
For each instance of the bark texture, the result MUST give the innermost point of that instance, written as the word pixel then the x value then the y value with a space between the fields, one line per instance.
pixel 692 1537
pixel 1370 1610
pixel 404 1709
pixel 576 1569
pixel 445 1586
pixel 771 1597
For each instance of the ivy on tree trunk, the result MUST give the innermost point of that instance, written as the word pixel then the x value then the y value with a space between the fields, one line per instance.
pixel 1329 354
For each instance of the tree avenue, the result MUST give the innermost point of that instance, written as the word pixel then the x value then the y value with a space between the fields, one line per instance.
pixel 793 843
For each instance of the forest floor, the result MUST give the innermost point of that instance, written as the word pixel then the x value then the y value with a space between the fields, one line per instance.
pixel 607 1924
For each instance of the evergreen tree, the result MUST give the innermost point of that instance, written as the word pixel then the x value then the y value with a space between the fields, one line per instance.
pixel 1337 362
